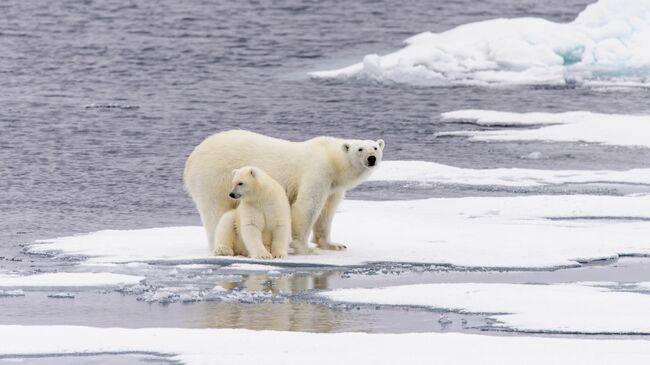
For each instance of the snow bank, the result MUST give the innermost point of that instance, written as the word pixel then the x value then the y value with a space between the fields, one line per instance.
pixel 612 129
pixel 203 346
pixel 504 232
pixel 539 308
pixel 423 171
pixel 606 42
pixel 62 279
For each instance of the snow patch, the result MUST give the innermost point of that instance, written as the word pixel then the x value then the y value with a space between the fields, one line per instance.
pixel 252 267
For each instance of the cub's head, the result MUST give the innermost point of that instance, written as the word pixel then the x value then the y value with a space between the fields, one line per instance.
pixel 243 181
pixel 364 154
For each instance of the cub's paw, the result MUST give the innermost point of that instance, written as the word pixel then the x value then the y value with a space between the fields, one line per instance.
pixel 263 255
pixel 223 251
pixel 280 255
pixel 332 246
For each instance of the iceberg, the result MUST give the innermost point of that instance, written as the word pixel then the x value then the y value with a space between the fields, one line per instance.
pixel 607 42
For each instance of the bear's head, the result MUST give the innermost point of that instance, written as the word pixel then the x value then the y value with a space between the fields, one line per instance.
pixel 364 154
pixel 244 181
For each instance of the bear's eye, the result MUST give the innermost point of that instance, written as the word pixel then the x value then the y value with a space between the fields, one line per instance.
pixel 360 149
pixel 240 184
pixel 375 148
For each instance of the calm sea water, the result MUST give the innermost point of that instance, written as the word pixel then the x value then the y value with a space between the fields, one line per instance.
pixel 101 101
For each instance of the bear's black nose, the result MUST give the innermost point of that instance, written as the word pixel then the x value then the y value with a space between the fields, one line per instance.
pixel 233 195
pixel 372 160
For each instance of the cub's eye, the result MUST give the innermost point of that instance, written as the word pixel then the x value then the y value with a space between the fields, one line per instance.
pixel 375 148
pixel 360 149
pixel 240 184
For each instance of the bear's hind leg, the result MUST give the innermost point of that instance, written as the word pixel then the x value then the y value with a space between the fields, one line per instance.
pixel 225 236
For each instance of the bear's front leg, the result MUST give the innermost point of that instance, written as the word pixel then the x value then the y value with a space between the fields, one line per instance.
pixel 323 225
pixel 252 237
pixel 304 211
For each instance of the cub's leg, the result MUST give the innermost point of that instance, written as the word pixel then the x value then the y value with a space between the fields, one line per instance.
pixel 251 226
pixel 281 236
pixel 225 236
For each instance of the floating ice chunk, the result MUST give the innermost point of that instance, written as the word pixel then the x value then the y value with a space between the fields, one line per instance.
pixel 62 279
pixel 431 172
pixel 444 320
pixel 197 346
pixel 606 42
pixel 532 156
pixel 611 129
pixel 61 295
pixel 12 293
pixel 526 307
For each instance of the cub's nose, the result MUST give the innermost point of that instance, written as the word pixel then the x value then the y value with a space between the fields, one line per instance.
pixel 372 160
pixel 233 195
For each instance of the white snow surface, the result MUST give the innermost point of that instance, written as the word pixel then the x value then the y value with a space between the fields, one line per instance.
pixel 503 232
pixel 62 279
pixel 606 43
pixel 527 307
pixel 251 267
pixel 424 171
pixel 578 126
pixel 236 346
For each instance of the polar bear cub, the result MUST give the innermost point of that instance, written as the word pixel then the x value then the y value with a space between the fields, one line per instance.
pixel 262 221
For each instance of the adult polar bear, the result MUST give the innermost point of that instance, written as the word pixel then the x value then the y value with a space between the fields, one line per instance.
pixel 315 175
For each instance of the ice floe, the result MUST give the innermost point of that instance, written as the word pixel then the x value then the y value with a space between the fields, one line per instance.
pixel 503 232
pixel 12 293
pixel 606 43
pixel 62 279
pixel 423 171
pixel 564 308
pixel 579 126
pixel 236 346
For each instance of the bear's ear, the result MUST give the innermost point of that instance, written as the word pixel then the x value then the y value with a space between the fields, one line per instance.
pixel 346 147
pixel 253 173
pixel 381 143
pixel 233 172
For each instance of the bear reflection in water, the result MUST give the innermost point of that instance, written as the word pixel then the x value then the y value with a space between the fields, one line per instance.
pixel 283 315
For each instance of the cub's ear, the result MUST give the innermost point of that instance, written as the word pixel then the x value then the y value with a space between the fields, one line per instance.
pixel 381 143
pixel 345 147
pixel 233 172
pixel 253 173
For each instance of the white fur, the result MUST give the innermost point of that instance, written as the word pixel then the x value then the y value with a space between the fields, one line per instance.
pixel 262 221
pixel 314 174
